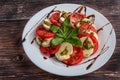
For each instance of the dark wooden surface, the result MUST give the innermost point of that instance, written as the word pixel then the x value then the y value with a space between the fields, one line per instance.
pixel 15 65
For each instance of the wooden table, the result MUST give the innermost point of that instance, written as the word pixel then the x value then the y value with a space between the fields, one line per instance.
pixel 15 65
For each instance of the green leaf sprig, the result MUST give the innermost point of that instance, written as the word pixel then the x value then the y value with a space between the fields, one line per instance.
pixel 65 33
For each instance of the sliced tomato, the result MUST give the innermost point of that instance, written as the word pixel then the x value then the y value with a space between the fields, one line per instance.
pixel 87 26
pixel 54 49
pixel 41 32
pixel 44 50
pixel 75 17
pixel 76 57
pixel 94 40
pixel 49 50
pixel 54 19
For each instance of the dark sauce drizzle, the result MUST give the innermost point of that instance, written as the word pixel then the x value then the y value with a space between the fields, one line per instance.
pixel 77 9
pixel 103 50
pixel 80 8
pixel 45 16
pixel 93 18
pixel 102 27
pixel 33 40
pixel 44 57
pixel 85 10
pixel 52 55
pixel 67 65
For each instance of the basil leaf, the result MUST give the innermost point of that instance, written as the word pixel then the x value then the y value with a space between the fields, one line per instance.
pixel 61 32
pixel 60 35
pixel 75 41
pixel 54 28
pixel 66 25
pixel 65 33
pixel 68 34
pixel 76 31
pixel 56 41
pixel 73 33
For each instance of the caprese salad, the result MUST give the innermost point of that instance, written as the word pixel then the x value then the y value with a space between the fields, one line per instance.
pixel 69 36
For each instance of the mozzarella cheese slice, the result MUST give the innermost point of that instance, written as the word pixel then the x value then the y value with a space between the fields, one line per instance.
pixel 87 52
pixel 93 33
pixel 46 24
pixel 38 40
pixel 62 19
pixel 63 16
pixel 65 51
pixel 87 20
pixel 46 42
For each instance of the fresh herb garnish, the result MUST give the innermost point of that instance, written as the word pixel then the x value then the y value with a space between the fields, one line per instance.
pixel 65 33
pixel 56 41
pixel 54 28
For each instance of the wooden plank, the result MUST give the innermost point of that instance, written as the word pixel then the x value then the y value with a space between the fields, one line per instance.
pixel 15 65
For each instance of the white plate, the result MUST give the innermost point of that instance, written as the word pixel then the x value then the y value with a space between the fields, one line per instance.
pixel 58 68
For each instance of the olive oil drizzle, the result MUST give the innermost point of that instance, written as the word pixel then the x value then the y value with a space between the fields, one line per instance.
pixel 45 16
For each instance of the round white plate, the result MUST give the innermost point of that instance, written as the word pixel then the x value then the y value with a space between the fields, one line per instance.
pixel 58 68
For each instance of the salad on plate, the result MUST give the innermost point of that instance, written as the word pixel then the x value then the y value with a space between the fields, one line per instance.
pixel 69 36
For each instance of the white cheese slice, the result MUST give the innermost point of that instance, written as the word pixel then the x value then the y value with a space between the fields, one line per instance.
pixel 46 42
pixel 65 51
pixel 93 33
pixel 62 19
pixel 87 52
pixel 38 40
pixel 46 24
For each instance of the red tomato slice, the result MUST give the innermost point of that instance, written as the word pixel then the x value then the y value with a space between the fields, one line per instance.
pixel 95 41
pixel 54 49
pixel 54 18
pixel 75 17
pixel 49 50
pixel 76 57
pixel 41 32
pixel 44 50
pixel 87 26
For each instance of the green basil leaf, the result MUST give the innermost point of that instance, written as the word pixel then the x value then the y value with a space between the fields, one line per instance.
pixel 68 34
pixel 75 41
pixel 60 35
pixel 72 33
pixel 65 33
pixel 61 32
pixel 66 25
pixel 54 28
pixel 56 41
pixel 75 32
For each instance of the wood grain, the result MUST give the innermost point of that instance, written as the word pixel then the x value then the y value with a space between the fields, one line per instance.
pixel 15 65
